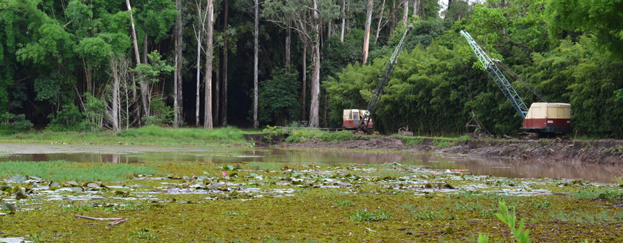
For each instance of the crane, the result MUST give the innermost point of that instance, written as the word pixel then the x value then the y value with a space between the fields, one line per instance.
pixel 542 117
pixel 362 119
pixel 489 64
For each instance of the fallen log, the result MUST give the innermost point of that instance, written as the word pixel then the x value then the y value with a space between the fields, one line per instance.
pixel 116 221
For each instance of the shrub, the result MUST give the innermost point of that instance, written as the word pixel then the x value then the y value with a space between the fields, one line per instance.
pixel 11 123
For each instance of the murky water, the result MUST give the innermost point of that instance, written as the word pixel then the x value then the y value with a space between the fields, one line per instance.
pixel 480 166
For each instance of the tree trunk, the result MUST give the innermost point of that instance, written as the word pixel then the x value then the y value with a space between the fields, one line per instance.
pixel 197 97
pixel 115 94
pixel 378 28
pixel 175 105
pixel 415 5
pixel 217 82
pixel 343 21
pixel 179 60
pixel 225 55
pixel 288 44
pixel 208 123
pixel 304 100
pixel 315 89
pixel 217 92
pixel 392 16
pixel 329 31
pixel 87 76
pixel 405 13
pixel 255 71
pixel 366 38
pixel 143 84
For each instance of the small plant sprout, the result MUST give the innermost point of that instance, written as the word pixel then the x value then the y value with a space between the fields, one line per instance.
pixel 510 219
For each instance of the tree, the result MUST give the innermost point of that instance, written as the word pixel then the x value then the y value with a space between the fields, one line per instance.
pixel 143 84
pixel 307 18
pixel 207 109
pixel 279 100
pixel 119 67
pixel 225 60
pixel 178 102
pixel 601 18
pixel 255 74
pixel 151 73
pixel 200 29
pixel 366 38
pixel 380 23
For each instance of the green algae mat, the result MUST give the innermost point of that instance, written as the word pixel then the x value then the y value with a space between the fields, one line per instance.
pixel 299 202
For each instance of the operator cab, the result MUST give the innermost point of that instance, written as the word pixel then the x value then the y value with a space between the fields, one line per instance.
pixel 352 118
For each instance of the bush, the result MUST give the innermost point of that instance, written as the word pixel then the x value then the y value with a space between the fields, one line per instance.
pixel 160 113
pixel 11 124
pixel 69 119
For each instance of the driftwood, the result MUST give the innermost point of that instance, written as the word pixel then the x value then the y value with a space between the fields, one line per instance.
pixel 116 221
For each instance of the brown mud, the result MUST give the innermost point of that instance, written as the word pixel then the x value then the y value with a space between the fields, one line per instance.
pixel 588 151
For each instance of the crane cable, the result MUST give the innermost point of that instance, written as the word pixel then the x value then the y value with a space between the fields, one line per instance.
pixel 523 82
pixel 479 124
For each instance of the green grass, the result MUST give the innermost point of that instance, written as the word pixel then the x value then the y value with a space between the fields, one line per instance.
pixel 365 215
pixel 264 165
pixel 65 171
pixel 147 135
pixel 440 142
pixel 307 135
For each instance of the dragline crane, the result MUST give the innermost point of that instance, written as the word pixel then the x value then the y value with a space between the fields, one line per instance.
pixel 542 117
pixel 362 119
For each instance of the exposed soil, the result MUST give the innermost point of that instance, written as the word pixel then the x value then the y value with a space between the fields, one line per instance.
pixel 596 151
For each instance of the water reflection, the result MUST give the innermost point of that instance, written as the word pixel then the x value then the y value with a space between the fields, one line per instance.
pixel 542 169
pixel 481 166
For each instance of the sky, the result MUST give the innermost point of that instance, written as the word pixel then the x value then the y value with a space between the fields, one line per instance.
pixel 444 4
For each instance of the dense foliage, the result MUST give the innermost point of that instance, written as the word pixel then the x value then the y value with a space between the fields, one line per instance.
pixel 436 86
pixel 63 61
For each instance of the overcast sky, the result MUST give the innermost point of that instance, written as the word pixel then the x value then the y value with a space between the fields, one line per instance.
pixel 444 4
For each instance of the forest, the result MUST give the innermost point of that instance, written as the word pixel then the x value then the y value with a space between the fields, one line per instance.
pixel 87 65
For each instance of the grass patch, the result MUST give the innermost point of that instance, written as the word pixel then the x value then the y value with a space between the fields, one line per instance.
pixel 343 203
pixel 313 135
pixel 440 142
pixel 365 215
pixel 147 135
pixel 65 171
pixel 264 165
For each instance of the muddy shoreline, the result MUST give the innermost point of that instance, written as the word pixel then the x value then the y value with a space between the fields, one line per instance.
pixel 586 151
pixel 593 151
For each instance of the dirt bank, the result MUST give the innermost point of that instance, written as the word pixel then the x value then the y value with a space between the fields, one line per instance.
pixel 596 151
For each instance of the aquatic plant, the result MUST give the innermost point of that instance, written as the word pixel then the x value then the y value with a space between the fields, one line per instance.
pixel 365 215
pixel 64 171
pixel 510 219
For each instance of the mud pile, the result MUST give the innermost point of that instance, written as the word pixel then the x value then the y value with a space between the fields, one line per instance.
pixel 592 151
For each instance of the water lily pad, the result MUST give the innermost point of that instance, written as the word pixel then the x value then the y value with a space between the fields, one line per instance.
pixel 93 185
pixel 17 179
pixel 73 183
pixel 231 168
pixel 7 207
pixel 77 189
